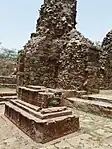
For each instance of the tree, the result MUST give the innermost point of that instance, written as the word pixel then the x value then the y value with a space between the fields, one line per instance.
pixel 98 44
pixel 6 53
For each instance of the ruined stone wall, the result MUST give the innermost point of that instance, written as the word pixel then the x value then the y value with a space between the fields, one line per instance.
pixel 7 67
pixel 106 62
pixel 78 64
pixel 20 68
pixel 57 55
pixel 42 52
pixel 7 79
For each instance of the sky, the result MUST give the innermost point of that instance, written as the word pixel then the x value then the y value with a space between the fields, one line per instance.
pixel 18 20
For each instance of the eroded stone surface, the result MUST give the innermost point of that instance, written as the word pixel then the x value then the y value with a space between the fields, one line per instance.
pixel 8 81
pixel 57 55
pixel 39 97
pixel 7 94
pixel 103 108
pixel 106 63
pixel 95 133
pixel 7 66
pixel 40 126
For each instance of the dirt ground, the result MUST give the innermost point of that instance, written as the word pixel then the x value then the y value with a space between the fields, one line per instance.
pixel 9 90
pixel 95 133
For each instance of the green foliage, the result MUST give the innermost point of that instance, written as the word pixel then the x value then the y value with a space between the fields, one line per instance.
pixel 98 44
pixel 6 53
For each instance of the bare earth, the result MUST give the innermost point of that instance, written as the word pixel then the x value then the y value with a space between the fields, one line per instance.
pixel 95 133
pixel 9 90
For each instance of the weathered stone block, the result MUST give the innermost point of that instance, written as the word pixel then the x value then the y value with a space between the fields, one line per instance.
pixel 97 106
pixel 44 99
pixel 35 96
pixel 43 130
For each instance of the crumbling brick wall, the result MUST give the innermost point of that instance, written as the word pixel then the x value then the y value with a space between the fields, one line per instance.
pixel 57 55
pixel 7 67
pixel 79 64
pixel 106 62
pixel 7 80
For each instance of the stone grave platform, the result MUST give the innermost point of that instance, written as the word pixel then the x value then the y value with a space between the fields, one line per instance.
pixel 42 125
pixel 33 115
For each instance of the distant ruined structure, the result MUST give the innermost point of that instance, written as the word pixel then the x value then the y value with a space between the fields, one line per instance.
pixel 106 62
pixel 7 77
pixel 57 55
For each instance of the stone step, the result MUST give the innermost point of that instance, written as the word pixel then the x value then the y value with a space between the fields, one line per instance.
pixel 7 98
pixel 54 109
pixel 68 93
pixel 26 108
pixel 106 92
pixel 99 97
pixel 31 89
pixel 36 108
pixel 33 107
pixel 41 114
pixel 92 106
pixel 7 85
pixel 36 87
pixel 2 102
pixel 41 130
pixel 80 93
pixel 7 94
pixel 7 79
pixel 30 110
pixel 55 112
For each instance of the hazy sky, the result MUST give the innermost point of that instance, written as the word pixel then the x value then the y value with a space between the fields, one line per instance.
pixel 18 20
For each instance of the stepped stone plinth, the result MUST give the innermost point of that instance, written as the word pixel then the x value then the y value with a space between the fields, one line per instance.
pixel 42 125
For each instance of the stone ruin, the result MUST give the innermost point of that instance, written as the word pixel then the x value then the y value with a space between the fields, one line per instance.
pixel 8 81
pixel 57 55
pixel 7 77
pixel 57 62
pixel 7 66
pixel 33 115
pixel 39 110
pixel 106 62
